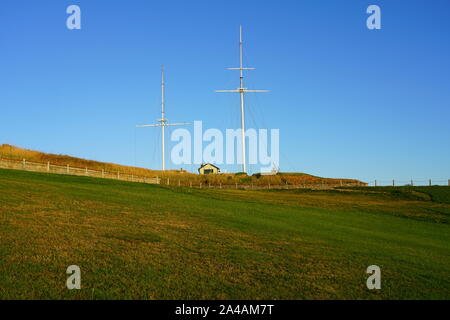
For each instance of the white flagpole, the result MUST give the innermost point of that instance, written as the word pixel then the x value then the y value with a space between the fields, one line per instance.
pixel 241 90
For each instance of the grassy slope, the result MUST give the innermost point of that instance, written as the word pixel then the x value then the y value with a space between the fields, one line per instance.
pixel 151 242
pixel 184 178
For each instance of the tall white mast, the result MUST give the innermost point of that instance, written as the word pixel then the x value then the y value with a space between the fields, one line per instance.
pixel 242 90
pixel 163 122
pixel 241 94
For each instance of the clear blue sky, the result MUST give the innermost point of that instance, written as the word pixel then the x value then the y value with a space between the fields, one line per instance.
pixel 349 102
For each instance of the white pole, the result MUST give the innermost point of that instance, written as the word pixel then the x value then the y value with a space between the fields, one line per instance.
pixel 241 90
pixel 244 160
pixel 163 119
pixel 163 122
pixel 163 155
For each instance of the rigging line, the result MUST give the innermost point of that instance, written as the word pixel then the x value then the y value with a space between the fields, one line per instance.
pixel 283 155
pixel 222 100
pixel 252 114
pixel 252 84
pixel 155 147
pixel 259 112
pixel 232 119
pixel 229 120
pixel 158 147
pixel 255 107
pixel 152 152
pixel 169 163
pixel 252 105
pixel 237 119
pixel 290 164
pixel 135 147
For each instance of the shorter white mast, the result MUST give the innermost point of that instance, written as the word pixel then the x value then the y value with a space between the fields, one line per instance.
pixel 163 122
pixel 241 90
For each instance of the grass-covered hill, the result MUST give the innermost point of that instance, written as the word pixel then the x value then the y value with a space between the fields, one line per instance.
pixel 184 178
pixel 143 241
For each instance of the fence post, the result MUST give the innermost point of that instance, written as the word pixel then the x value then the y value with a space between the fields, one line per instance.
pixel 24 163
pixel 168 181
pixel 118 175
pixel 221 184
pixel 236 185
pixel 200 185
pixel 48 166
pixel 103 173
pixel 68 168
pixel 86 171
pixel 412 183
pixel 430 182
pixel 375 183
pixel 449 182
pixel 393 183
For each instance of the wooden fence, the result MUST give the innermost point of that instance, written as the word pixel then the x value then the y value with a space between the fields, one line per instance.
pixel 411 183
pixel 68 170
pixel 310 185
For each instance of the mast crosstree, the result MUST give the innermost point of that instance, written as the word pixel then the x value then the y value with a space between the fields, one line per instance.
pixel 163 122
pixel 242 90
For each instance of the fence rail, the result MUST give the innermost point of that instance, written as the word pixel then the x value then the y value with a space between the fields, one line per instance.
pixel 316 185
pixel 313 186
pixel 68 170
pixel 412 182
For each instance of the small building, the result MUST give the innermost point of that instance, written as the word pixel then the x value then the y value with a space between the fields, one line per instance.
pixel 208 168
pixel 273 172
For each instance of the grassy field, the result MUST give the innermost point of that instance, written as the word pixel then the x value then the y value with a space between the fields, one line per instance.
pixel 137 241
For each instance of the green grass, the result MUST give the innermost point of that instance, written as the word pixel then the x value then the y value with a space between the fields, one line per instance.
pixel 136 241
pixel 439 194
